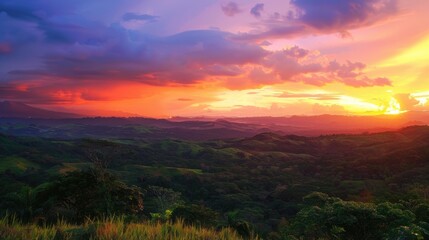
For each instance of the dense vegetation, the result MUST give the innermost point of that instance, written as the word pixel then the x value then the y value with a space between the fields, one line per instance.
pixel 367 186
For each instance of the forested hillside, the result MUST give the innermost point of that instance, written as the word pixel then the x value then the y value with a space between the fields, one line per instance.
pixel 278 186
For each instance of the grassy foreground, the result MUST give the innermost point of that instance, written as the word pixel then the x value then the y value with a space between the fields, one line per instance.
pixel 113 228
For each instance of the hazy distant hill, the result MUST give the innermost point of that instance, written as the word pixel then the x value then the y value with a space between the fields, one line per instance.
pixel 332 124
pixel 10 109
pixel 130 128
pixel 23 120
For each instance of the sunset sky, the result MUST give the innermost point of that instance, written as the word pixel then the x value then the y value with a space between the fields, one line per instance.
pixel 163 58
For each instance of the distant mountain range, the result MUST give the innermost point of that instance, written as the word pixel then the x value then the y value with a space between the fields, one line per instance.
pixel 9 109
pixel 24 120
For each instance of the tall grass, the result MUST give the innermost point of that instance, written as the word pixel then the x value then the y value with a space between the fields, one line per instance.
pixel 11 228
pixel 111 229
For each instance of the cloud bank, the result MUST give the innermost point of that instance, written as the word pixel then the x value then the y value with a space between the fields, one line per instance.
pixel 322 17
pixel 48 49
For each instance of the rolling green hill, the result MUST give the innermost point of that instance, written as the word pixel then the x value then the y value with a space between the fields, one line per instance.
pixel 260 180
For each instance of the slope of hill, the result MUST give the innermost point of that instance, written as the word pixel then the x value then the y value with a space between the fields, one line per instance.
pixel 24 120
pixel 261 179
pixel 133 128
pixel 198 130
pixel 10 109
pixel 330 124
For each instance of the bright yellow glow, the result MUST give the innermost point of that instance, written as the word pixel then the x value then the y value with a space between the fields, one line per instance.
pixel 394 107
pixel 303 101
pixel 231 99
pixel 422 101
pixel 417 54
pixel 421 97
pixel 357 105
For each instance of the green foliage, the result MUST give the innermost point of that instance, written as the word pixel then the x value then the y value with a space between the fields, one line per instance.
pixel 242 227
pixel 165 199
pixel 22 203
pixel 261 179
pixel 412 232
pixel 90 193
pixel 196 215
pixel 334 218
pixel 161 217
pixel 422 212
pixel 317 199
pixel 16 164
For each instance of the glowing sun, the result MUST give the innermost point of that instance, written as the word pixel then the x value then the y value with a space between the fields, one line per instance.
pixel 394 107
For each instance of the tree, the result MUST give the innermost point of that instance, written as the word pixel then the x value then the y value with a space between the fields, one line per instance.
pixel 195 215
pixel 22 203
pixel 333 218
pixel 165 198
pixel 241 226
pixel 91 193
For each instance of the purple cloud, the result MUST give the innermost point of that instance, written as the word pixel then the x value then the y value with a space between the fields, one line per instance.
pixel 300 65
pixel 230 9
pixel 340 15
pixel 5 48
pixel 48 48
pixel 257 10
pixel 323 17
pixel 183 58
pixel 139 17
